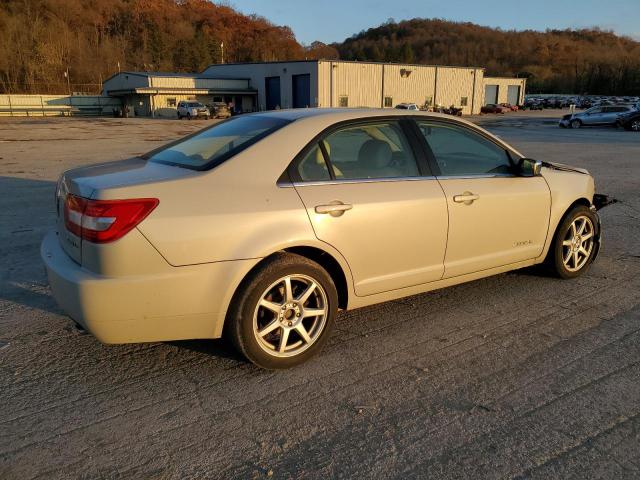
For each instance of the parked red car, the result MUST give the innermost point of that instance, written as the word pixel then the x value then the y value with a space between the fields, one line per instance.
pixel 508 106
pixel 492 108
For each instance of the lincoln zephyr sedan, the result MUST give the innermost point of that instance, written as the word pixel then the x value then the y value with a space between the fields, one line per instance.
pixel 261 227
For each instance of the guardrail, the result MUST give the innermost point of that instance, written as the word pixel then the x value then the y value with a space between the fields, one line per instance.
pixel 57 105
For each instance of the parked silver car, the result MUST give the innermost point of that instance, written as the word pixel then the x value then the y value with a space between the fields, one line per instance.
pixel 192 109
pixel 599 115
pixel 262 226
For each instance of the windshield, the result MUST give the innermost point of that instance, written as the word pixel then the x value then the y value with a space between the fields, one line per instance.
pixel 195 104
pixel 214 145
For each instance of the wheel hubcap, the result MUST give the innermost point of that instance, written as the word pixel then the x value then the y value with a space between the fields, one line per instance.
pixel 290 316
pixel 578 244
pixel 635 126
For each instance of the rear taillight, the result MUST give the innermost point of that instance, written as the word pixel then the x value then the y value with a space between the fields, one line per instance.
pixel 102 221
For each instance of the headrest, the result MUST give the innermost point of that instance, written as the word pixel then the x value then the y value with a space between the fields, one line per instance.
pixel 376 153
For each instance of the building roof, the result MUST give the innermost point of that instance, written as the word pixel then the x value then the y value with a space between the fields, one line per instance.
pixel 342 61
pixel 195 76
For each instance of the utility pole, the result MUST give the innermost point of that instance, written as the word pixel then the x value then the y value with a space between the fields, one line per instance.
pixel 66 74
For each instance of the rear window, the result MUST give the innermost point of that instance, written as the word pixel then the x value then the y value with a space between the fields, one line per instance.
pixel 214 145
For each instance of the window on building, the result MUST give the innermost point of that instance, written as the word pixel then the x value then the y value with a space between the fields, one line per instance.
pixel 463 101
pixel 343 101
pixel 171 102
pixel 388 102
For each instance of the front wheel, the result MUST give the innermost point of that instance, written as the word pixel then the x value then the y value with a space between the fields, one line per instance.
pixel 283 312
pixel 634 126
pixel 575 124
pixel 575 244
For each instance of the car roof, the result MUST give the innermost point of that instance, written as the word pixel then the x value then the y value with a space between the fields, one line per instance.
pixel 340 114
pixel 320 118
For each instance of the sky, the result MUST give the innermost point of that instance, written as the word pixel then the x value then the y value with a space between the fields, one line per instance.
pixel 334 20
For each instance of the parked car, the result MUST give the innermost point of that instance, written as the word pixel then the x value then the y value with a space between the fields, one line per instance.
pixel 600 115
pixel 263 226
pixel 192 109
pixel 492 108
pixel 219 110
pixel 629 121
pixel 509 107
pixel 529 105
pixel 407 106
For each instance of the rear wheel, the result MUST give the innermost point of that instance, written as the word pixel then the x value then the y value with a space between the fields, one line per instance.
pixel 575 124
pixel 575 243
pixel 283 312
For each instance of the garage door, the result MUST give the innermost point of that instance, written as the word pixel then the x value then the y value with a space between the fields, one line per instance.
pixel 490 94
pixel 272 90
pixel 301 86
pixel 513 94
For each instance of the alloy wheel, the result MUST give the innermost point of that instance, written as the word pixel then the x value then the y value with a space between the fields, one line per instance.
pixel 578 243
pixel 635 125
pixel 290 316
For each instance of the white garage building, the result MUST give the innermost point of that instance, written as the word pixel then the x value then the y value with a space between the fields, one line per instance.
pixel 315 83
pixel 327 83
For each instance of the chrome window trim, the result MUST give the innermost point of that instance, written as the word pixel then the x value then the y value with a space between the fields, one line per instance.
pixel 354 180
pixel 471 176
pixel 395 179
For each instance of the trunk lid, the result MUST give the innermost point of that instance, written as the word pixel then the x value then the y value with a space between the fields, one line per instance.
pixel 88 181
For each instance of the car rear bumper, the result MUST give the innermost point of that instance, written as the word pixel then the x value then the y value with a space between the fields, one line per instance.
pixel 181 303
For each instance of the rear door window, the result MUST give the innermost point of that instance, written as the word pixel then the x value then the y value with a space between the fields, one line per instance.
pixel 372 150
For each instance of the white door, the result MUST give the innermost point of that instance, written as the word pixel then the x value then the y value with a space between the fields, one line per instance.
pixel 496 217
pixel 365 196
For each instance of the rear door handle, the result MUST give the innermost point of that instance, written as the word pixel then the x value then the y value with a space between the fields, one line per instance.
pixel 467 198
pixel 335 209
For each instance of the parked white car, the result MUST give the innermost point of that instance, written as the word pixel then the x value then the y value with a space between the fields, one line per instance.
pixel 191 109
pixel 263 226
pixel 407 106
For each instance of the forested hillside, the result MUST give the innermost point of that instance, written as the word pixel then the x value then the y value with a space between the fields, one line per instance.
pixel 40 40
pixel 571 61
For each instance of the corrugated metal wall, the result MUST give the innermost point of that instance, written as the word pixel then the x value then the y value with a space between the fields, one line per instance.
pixel 453 86
pixel 359 83
pixel 257 72
pixel 409 84
pixel 367 85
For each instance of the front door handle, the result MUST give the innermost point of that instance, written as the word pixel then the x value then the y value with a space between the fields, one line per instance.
pixel 335 209
pixel 467 198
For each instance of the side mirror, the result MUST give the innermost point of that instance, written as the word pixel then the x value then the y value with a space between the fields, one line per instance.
pixel 529 167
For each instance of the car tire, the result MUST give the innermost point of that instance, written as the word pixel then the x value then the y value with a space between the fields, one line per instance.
pixel 272 324
pixel 575 123
pixel 179 117
pixel 634 125
pixel 575 243
pixel 188 116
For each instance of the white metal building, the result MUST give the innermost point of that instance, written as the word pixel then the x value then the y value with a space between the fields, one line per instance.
pixel 314 83
pixel 328 83
pixel 157 94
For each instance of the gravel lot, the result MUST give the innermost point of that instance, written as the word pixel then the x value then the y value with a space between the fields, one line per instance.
pixel 514 376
